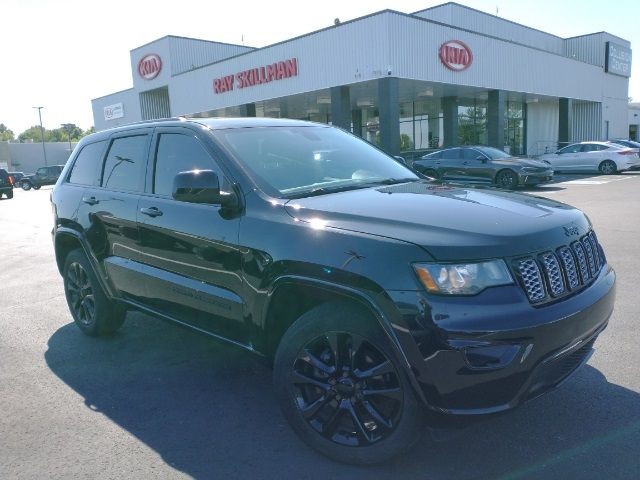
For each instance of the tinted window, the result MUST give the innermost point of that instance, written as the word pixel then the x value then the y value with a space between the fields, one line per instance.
pixel 433 156
pixel 571 148
pixel 493 153
pixel 471 154
pixel 452 154
pixel 179 153
pixel 85 169
pixel 125 164
pixel 42 171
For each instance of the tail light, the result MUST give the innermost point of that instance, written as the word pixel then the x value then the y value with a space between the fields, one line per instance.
pixel 627 152
pixel 11 180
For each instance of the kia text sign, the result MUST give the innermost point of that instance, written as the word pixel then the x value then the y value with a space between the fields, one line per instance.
pixel 149 66
pixel 257 76
pixel 455 55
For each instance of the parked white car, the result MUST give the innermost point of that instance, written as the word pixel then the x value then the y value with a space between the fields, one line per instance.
pixel 603 157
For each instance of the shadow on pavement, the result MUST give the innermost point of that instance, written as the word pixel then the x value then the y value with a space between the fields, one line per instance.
pixel 209 411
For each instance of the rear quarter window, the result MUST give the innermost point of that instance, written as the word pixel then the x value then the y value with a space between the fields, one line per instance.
pixel 86 169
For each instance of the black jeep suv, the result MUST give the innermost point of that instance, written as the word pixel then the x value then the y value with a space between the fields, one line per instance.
pixel 43 176
pixel 6 184
pixel 383 299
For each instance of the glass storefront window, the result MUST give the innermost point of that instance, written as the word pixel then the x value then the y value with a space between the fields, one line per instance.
pixel 472 122
pixel 421 125
pixel 514 122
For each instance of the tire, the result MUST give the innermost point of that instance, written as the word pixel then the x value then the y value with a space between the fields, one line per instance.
pixel 9 194
pixel 507 179
pixel 607 167
pixel 25 185
pixel 36 187
pixel 93 312
pixel 325 388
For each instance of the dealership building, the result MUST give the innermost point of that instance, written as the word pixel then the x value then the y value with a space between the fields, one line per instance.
pixel 443 76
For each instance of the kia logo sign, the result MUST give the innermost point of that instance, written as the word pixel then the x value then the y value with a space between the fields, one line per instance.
pixel 149 66
pixel 455 55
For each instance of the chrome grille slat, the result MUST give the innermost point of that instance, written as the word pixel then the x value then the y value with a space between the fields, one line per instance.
pixel 569 268
pixel 590 256
pixel 582 261
pixel 532 279
pixel 553 273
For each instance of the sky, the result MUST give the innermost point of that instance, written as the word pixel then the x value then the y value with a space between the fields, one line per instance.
pixel 61 54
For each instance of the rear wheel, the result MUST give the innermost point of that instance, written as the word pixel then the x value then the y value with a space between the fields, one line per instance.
pixel 36 187
pixel 9 194
pixel 608 167
pixel 507 179
pixel 341 388
pixel 25 185
pixel 93 312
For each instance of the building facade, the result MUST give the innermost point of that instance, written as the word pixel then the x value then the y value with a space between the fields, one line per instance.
pixel 447 75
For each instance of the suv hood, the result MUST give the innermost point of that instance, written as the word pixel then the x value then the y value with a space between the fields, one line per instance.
pixel 451 223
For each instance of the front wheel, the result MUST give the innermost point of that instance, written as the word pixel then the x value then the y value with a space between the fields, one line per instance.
pixel 507 179
pixel 93 312
pixel 36 187
pixel 341 388
pixel 608 167
pixel 25 186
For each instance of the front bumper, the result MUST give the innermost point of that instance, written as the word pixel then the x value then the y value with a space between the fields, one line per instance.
pixel 535 178
pixel 493 351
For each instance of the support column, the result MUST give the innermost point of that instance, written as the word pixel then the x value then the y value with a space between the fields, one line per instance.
pixel 341 108
pixel 495 118
pixel 389 114
pixel 356 119
pixel 450 121
pixel 565 120
pixel 248 110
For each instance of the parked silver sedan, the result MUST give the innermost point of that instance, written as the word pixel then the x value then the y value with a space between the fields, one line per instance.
pixel 603 157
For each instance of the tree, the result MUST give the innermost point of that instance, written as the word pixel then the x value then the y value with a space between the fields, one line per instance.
pixel 33 134
pixel 68 132
pixel 5 133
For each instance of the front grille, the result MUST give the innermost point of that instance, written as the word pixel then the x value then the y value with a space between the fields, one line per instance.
pixel 553 274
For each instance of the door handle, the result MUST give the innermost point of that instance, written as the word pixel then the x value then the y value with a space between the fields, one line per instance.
pixel 151 211
pixel 90 200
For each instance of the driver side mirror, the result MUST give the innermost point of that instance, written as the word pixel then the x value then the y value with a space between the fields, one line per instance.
pixel 201 186
pixel 400 159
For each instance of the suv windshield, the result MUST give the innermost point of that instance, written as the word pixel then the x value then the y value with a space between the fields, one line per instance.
pixel 300 161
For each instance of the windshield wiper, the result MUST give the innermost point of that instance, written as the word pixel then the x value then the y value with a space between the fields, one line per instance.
pixel 353 186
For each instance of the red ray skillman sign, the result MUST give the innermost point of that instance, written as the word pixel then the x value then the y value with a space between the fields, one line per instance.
pixel 257 76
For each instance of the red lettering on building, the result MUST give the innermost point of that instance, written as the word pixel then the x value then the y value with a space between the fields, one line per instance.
pixel 257 76
pixel 149 66
pixel 455 55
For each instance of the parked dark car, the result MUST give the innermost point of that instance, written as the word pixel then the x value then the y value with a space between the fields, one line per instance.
pixel 384 300
pixel 6 184
pixel 16 177
pixel 43 176
pixel 480 164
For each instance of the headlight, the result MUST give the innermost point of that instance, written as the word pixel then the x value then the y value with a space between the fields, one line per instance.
pixel 532 170
pixel 462 278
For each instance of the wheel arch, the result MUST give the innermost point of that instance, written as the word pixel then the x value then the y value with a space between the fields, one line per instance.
pixel 292 296
pixel 67 240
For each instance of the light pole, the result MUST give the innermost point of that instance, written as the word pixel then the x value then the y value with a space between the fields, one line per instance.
pixel 44 151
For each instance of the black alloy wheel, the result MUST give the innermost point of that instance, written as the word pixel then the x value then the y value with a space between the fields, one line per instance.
pixel 80 295
pixel 341 388
pixel 36 187
pixel 507 179
pixel 25 185
pixel 347 390
pixel 608 167
pixel 93 312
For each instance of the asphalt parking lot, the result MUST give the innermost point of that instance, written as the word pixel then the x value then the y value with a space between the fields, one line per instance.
pixel 158 401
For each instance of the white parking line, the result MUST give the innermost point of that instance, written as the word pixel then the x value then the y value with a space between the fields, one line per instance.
pixel 593 182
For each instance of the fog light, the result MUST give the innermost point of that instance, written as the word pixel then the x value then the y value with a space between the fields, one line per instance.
pixel 491 357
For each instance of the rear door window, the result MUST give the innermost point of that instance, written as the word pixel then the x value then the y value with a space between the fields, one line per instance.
pixel 125 166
